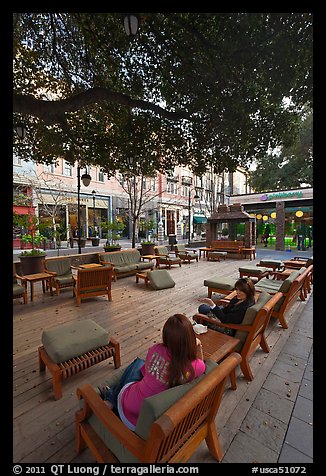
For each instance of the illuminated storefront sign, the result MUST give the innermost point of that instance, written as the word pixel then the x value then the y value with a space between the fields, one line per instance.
pixel 280 195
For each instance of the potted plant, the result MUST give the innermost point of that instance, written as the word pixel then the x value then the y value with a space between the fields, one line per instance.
pixel 113 229
pixel 32 260
pixel 147 248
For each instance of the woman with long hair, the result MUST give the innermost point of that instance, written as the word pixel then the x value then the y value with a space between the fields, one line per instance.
pixel 234 311
pixel 177 360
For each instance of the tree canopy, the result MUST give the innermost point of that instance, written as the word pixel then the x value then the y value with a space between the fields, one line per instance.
pixel 292 167
pixel 190 89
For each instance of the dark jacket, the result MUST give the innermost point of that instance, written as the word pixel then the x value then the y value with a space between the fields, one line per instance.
pixel 233 313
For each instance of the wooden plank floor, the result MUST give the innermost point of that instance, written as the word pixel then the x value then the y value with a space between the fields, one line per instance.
pixel 44 429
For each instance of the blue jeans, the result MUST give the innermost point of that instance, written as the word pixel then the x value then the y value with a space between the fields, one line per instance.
pixel 131 373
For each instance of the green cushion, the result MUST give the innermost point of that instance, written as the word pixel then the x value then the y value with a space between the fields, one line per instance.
pixel 257 270
pixel 249 318
pixel 269 285
pixel 131 256
pixel 160 279
pixel 143 265
pixel 71 340
pixel 18 290
pixel 217 253
pixel 288 281
pixel 64 279
pixel 114 257
pixel 221 283
pixel 60 266
pixel 180 247
pixel 161 250
pixel 266 262
pixel 125 268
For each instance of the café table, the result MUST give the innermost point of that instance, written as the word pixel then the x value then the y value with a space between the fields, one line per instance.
pixel 37 277
pixel 217 346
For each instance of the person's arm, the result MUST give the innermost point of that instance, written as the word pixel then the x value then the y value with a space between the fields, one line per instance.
pixel 200 354
pixel 233 314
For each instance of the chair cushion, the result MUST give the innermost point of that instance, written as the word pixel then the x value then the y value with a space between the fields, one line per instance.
pixel 268 285
pixel 273 262
pixel 161 250
pixel 254 270
pixel 249 318
pixel 125 268
pixel 217 253
pixel 18 290
pixel 220 283
pixel 180 247
pixel 60 266
pixel 130 257
pixel 143 265
pixel 288 281
pixel 71 340
pixel 114 257
pixel 65 279
pixel 160 279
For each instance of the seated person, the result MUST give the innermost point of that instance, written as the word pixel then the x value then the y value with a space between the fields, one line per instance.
pixel 234 311
pixel 177 360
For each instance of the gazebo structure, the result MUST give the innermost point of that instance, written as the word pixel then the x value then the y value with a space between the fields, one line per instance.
pixel 231 215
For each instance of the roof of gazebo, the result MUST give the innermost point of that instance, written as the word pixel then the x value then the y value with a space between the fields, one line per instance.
pixel 230 213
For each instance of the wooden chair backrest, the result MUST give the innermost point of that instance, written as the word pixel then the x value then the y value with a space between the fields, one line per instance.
pixel 219 244
pixel 261 321
pixel 295 289
pixel 94 278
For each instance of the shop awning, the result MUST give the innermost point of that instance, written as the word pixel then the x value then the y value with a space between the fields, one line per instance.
pixel 199 219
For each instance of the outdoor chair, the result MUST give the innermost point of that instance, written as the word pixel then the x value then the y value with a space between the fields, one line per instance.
pixel 163 257
pixel 61 270
pixel 296 285
pixel 184 254
pixel 170 427
pixel 19 288
pixel 92 282
pixel 251 331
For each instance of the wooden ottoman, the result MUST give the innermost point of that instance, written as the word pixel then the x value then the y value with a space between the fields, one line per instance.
pixel 216 255
pixel 71 348
pixel 271 263
pixel 254 272
pixel 219 285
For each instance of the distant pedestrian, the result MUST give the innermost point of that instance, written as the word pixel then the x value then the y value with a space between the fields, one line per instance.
pixel 266 234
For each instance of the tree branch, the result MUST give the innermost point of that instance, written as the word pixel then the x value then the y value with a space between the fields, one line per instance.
pixel 51 112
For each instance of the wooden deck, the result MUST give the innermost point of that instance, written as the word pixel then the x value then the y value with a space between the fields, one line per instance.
pixel 44 429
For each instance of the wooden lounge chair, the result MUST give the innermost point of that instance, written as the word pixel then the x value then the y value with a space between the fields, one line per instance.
pixel 170 427
pixel 184 254
pixel 61 270
pixel 92 282
pixel 296 285
pixel 251 331
pixel 19 285
pixel 163 257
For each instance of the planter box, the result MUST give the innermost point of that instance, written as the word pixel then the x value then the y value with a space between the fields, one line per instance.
pixel 110 249
pixel 95 241
pixel 147 249
pixel 32 264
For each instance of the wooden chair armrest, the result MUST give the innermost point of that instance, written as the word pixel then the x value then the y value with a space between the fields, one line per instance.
pixel 22 279
pixel 211 320
pixel 93 403
pixel 52 273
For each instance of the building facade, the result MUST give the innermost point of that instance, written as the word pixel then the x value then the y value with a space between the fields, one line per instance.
pixel 179 201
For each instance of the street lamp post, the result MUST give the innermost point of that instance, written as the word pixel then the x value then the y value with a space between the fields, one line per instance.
pixel 94 221
pixel 86 179
pixel 188 182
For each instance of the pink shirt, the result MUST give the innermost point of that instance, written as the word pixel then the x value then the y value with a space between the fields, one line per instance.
pixel 155 380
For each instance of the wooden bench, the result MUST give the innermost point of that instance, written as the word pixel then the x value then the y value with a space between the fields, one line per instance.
pixel 230 246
